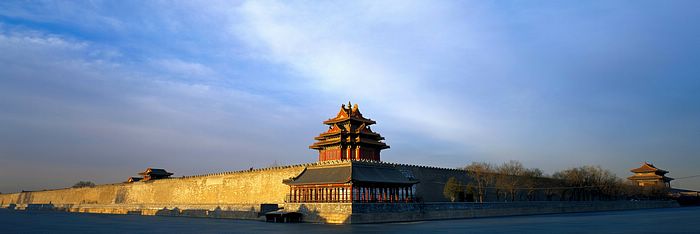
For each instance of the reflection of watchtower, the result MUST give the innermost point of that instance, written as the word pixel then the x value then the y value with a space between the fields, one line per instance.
pixel 349 137
pixel 649 175
pixel 154 174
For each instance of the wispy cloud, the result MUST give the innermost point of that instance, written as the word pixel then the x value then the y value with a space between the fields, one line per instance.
pixel 66 107
pixel 363 53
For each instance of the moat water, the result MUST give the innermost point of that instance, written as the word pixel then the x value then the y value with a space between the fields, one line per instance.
pixel 670 220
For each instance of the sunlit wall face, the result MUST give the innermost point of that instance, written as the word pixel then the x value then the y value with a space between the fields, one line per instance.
pixel 100 91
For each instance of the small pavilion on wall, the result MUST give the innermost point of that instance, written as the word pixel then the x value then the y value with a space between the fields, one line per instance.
pixel 349 137
pixel 649 175
pixel 351 181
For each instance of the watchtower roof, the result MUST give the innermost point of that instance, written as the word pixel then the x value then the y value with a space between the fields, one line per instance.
pixel 648 167
pixel 351 172
pixel 155 171
pixel 349 113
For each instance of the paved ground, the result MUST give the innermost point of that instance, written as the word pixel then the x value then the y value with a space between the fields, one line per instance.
pixel 672 220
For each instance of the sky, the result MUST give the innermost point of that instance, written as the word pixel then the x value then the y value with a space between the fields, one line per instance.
pixel 101 90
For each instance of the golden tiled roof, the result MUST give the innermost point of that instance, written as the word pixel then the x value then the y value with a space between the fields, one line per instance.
pixel 648 167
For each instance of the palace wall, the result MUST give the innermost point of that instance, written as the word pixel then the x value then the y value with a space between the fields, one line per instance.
pixel 243 187
pixel 240 195
pixel 432 180
pixel 234 190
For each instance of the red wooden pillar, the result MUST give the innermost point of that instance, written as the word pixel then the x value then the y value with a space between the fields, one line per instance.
pixel 355 196
pixel 361 193
pixel 389 195
pixel 377 193
pixel 363 190
pixel 405 194
pixel 368 191
pixel 368 194
pixel 398 194
pixel 367 197
pixel 381 194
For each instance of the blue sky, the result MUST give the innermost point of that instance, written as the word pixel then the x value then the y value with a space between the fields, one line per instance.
pixel 98 90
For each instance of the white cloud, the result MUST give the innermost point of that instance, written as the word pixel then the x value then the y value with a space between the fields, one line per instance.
pixel 345 51
pixel 64 105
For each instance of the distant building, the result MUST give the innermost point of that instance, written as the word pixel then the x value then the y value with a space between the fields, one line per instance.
pixel 649 175
pixel 154 174
pixel 134 179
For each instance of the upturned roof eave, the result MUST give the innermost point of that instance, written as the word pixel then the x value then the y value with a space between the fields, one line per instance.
pixel 338 120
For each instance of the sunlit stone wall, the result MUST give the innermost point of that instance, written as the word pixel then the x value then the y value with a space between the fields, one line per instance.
pixel 243 187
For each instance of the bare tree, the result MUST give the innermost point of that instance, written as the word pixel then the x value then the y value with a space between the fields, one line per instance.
pixel 510 176
pixel 483 175
pixel 590 183
pixel 531 179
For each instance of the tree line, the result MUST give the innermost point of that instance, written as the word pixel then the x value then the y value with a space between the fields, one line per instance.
pixel 511 181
